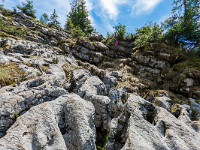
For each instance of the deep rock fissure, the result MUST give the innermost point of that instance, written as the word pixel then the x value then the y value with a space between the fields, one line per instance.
pixel 101 138
pixel 151 115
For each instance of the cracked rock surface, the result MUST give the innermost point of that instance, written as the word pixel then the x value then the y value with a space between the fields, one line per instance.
pixel 78 98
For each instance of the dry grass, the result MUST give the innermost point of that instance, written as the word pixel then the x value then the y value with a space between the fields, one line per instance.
pixel 11 74
pixel 68 70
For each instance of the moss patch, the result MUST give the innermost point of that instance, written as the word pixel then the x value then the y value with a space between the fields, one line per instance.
pixel 54 61
pixel 43 68
pixel 11 74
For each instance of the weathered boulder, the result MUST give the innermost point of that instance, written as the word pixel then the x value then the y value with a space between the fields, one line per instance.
pixel 96 37
pixel 92 86
pixel 163 102
pixel 109 81
pixel 66 123
pixel 102 111
pixel 86 44
pixel 142 125
pixel 100 46
pixel 117 74
pixel 15 100
pixel 87 55
pixel 86 85
pixel 149 61
pixel 44 79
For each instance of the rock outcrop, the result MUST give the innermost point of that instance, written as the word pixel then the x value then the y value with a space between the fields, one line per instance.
pixel 57 92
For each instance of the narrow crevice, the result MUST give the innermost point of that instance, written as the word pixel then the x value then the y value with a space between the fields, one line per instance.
pixel 164 128
pixel 150 116
pixel 62 125
pixel 102 138
pixel 118 135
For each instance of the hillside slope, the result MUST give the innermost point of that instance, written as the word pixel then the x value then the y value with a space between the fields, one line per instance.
pixel 61 92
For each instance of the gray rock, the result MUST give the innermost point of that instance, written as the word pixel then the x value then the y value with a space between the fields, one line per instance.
pixel 66 123
pixel 163 102
pixel 65 47
pixel 149 60
pixel 117 74
pixel 15 100
pixel 189 82
pixel 23 16
pixel 96 37
pixel 92 86
pixel 86 44
pixel 109 81
pixel 142 125
pixel 83 50
pixel 102 111
pixel 100 46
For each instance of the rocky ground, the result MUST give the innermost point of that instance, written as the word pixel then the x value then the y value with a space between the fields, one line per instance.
pixel 57 92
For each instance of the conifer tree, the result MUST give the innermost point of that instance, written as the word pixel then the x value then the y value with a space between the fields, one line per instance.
pixel 54 18
pixel 184 27
pixel 79 16
pixel 44 18
pixel 69 25
pixel 27 8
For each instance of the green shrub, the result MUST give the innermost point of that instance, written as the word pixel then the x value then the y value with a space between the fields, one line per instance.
pixel 120 31
pixel 151 33
pixel 77 32
pixel 110 39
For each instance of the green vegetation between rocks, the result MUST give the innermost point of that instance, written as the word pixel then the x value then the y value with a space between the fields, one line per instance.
pixel 11 74
pixel 102 138
pixel 9 29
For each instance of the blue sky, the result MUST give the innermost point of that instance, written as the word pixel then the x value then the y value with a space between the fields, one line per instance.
pixel 104 14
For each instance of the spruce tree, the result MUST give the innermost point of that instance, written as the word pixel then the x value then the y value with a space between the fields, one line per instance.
pixel 69 24
pixel 53 18
pixel 184 27
pixel 27 8
pixel 44 18
pixel 79 16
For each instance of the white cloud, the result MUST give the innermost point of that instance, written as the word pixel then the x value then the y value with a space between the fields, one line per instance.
pixel 89 7
pixel 142 6
pixel 111 7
